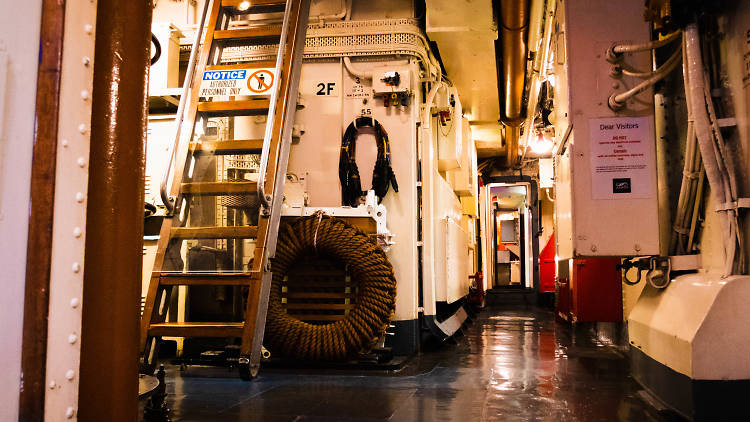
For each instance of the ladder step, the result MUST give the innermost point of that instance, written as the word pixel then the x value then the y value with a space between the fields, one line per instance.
pixel 256 6
pixel 245 36
pixel 208 279
pixel 236 147
pixel 261 64
pixel 232 232
pixel 219 188
pixel 196 329
pixel 234 108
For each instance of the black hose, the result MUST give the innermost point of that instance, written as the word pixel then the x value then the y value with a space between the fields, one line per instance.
pixel 157 53
pixel 382 175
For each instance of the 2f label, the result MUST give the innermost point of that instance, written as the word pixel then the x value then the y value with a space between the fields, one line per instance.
pixel 327 89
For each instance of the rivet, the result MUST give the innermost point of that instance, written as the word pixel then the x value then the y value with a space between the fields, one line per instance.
pixel 74 302
pixel 77 232
pixel 65 143
pixel 86 61
pixel 52 384
pixel 79 197
pixel 70 412
pixel 72 339
pixel 82 128
pixel 85 94
pixel 76 267
pixel 70 374
pixel 88 28
pixel 81 162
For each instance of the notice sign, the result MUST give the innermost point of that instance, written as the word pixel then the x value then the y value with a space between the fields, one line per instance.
pixel 225 83
pixel 622 158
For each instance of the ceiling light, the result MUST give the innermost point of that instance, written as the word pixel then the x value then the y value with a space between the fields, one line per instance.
pixel 542 146
pixel 243 6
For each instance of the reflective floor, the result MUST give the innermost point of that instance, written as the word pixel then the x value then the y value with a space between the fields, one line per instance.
pixel 511 365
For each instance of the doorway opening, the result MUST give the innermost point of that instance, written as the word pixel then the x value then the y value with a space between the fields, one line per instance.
pixel 510 247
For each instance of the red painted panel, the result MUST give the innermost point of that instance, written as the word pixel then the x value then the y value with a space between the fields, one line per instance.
pixel 547 267
pixel 596 290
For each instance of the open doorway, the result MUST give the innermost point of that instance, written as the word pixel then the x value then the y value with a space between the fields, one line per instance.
pixel 510 249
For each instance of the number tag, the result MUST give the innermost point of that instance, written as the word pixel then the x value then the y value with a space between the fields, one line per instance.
pixel 327 89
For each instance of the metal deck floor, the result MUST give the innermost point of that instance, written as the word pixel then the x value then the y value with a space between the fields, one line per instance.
pixel 511 365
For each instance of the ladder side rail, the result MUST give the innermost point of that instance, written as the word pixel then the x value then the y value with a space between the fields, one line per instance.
pixel 150 310
pixel 287 125
pixel 182 147
pixel 265 199
pixel 257 304
pixel 287 101
pixel 179 117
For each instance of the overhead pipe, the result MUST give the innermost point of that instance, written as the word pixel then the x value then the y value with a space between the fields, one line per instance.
pixel 514 24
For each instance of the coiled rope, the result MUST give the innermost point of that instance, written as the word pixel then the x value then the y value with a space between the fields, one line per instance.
pixel 360 329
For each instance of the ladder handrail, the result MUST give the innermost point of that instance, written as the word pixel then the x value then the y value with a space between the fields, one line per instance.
pixel 180 116
pixel 265 199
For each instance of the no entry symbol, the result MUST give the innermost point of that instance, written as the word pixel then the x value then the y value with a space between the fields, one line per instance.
pixel 260 81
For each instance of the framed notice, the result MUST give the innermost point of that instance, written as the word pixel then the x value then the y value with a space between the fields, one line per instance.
pixel 225 83
pixel 622 158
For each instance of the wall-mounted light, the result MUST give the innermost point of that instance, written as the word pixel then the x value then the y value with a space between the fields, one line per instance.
pixel 551 79
pixel 199 130
pixel 243 6
pixel 506 216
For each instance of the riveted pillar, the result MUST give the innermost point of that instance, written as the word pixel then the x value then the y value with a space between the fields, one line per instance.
pixel 113 261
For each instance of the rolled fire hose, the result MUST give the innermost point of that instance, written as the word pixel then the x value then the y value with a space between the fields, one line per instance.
pixel 370 270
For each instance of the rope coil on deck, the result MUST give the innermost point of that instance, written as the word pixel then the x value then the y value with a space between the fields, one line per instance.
pixel 360 329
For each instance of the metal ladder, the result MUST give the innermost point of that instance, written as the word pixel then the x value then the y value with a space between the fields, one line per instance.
pixel 195 190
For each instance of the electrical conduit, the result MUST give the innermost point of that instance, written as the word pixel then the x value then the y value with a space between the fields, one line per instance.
pixel 695 92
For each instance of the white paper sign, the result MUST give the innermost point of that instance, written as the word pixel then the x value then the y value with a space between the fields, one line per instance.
pixel 622 158
pixel 224 83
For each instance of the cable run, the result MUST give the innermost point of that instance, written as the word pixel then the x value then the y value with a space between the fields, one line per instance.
pixel 382 175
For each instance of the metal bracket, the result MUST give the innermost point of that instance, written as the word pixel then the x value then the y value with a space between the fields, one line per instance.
pixel 370 208
pixel 659 271
pixel 736 205
pixel 727 122
pixel 659 268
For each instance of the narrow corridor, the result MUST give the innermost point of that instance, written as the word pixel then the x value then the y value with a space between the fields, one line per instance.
pixel 511 365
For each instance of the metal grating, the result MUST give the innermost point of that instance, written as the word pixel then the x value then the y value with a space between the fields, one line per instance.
pixel 345 38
